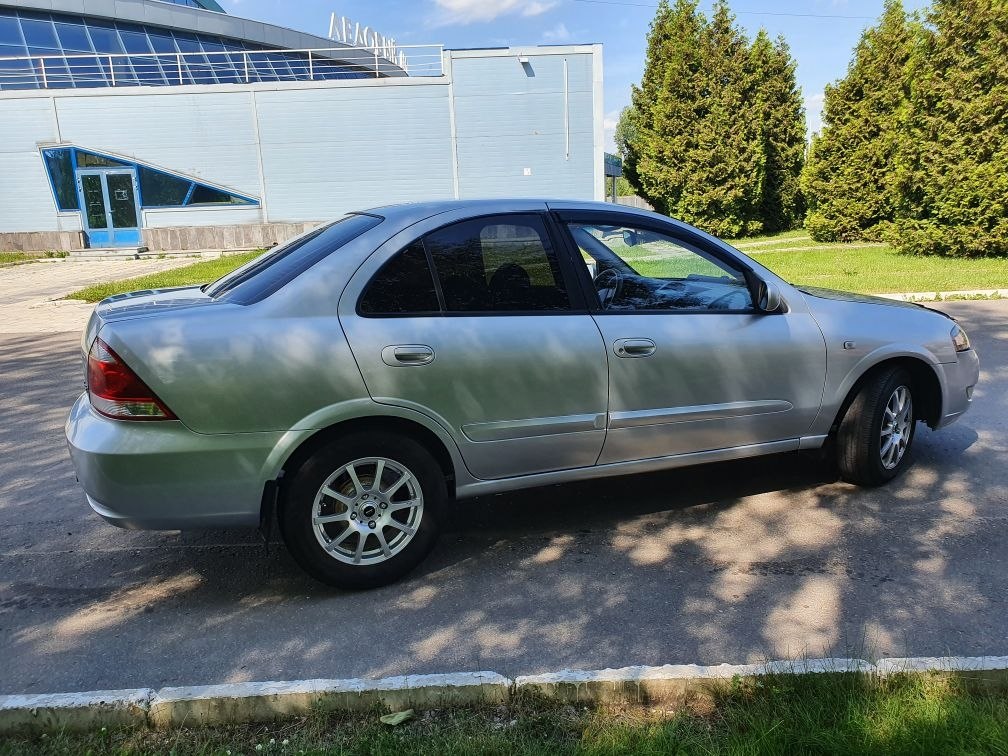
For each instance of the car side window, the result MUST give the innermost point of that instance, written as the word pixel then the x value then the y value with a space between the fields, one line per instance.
pixel 402 286
pixel 499 263
pixel 638 269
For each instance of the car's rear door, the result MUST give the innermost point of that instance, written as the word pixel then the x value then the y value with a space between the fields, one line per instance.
pixel 477 324
pixel 693 366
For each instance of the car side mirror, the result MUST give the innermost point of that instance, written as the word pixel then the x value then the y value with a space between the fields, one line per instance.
pixel 768 298
pixel 631 238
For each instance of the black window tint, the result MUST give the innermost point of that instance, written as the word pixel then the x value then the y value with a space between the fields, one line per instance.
pixel 161 190
pixel 60 165
pixel 207 195
pixel 268 273
pixel 403 285
pixel 502 263
pixel 88 160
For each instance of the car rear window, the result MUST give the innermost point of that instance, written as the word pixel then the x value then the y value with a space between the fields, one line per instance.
pixel 271 271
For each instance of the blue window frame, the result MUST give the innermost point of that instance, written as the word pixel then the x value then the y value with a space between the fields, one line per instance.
pixel 75 50
pixel 157 187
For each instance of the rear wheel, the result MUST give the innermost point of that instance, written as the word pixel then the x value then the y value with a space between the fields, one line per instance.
pixel 874 438
pixel 364 510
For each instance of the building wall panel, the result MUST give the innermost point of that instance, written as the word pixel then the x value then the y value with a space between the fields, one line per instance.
pixel 327 151
pixel 26 201
pixel 164 217
pixel 207 135
pixel 512 137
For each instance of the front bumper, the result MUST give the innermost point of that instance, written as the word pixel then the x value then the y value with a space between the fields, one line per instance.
pixel 163 476
pixel 958 380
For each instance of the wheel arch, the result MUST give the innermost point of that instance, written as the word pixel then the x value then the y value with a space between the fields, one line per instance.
pixel 388 424
pixel 926 387
pixel 288 463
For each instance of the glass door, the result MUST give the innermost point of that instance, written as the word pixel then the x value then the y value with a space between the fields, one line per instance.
pixel 109 199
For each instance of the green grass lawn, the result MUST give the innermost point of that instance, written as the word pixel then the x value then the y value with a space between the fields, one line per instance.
pixel 875 268
pixel 200 272
pixel 864 268
pixel 17 258
pixel 8 258
pixel 813 714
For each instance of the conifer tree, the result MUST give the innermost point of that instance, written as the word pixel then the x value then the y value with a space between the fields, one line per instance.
pixel 664 106
pixel 627 138
pixel 849 180
pixel 781 116
pixel 953 164
pixel 724 174
pixel 715 134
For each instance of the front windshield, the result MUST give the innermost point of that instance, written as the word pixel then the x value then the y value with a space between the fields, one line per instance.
pixel 641 269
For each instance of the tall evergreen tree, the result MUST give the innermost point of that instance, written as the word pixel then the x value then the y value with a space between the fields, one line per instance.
pixel 849 180
pixel 628 141
pixel 715 134
pixel 781 115
pixel 725 173
pixel 954 158
pixel 665 105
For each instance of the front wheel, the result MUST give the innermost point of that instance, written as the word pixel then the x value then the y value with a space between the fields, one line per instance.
pixel 364 510
pixel 874 438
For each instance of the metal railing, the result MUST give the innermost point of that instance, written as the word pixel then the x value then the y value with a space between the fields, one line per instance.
pixel 226 67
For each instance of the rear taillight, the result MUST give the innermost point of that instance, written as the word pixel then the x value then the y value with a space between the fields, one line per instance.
pixel 116 391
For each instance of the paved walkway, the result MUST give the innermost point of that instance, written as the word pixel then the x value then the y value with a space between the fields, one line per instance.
pixel 31 294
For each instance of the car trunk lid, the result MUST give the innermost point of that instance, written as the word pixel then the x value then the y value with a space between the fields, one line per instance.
pixel 141 303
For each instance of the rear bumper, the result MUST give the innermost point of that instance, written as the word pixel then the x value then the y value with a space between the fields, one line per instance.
pixel 162 476
pixel 958 380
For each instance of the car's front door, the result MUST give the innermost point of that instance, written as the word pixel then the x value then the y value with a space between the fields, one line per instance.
pixel 496 345
pixel 692 365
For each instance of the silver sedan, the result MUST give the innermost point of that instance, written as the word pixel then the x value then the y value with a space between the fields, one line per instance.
pixel 350 382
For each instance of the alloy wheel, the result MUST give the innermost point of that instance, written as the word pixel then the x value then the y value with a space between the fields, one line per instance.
pixel 897 424
pixel 367 511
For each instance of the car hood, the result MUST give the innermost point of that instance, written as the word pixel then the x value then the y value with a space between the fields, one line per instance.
pixel 848 296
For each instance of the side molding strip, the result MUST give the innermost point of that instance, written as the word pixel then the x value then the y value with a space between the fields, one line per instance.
pixel 503 430
pixel 661 415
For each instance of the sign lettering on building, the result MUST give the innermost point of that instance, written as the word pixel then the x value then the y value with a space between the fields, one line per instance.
pixel 347 32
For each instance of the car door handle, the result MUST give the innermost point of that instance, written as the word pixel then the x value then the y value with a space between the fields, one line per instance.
pixel 634 347
pixel 401 355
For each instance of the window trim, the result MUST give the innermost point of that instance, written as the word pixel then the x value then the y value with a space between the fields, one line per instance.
pixel 691 241
pixel 568 273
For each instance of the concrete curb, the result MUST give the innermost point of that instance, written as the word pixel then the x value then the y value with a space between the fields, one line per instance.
pixel 257 702
pixel 988 672
pixel 267 701
pixel 669 683
pixel 75 711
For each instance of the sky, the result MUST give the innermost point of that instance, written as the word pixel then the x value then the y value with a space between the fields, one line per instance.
pixel 821 33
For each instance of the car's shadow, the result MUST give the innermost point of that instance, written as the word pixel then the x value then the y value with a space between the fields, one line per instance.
pixel 604 502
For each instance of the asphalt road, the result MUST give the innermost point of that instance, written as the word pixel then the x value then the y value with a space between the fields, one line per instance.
pixel 732 562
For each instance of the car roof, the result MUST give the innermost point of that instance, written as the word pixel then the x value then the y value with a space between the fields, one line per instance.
pixel 411 212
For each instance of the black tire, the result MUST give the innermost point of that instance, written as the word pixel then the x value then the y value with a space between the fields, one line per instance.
pixel 299 499
pixel 859 444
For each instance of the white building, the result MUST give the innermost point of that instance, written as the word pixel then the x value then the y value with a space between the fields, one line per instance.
pixel 173 125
